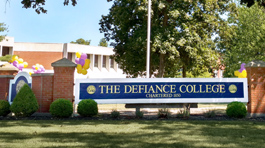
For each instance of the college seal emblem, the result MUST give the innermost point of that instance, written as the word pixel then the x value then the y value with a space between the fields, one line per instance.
pixel 91 89
pixel 232 88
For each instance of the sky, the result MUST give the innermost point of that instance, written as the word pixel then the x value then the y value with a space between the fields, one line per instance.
pixel 61 24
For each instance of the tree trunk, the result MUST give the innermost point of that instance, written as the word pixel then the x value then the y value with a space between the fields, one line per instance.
pixel 184 71
pixel 161 66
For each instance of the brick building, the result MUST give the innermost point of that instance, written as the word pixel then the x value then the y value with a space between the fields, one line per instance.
pixel 101 66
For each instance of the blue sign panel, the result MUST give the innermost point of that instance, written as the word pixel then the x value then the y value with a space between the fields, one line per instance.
pixel 157 91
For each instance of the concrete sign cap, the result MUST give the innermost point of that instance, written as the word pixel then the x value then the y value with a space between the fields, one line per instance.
pixel 255 63
pixel 63 63
pixel 8 67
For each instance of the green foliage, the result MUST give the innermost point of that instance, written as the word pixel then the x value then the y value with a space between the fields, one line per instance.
pixel 252 2
pixel 2 29
pixel 38 4
pixel 115 114
pixel 6 58
pixel 209 114
pixel 236 110
pixel 139 114
pixel 103 42
pixel 61 108
pixel 25 102
pixel 87 108
pixel 164 113
pixel 180 35
pixel 183 113
pixel 244 39
pixel 81 41
pixel 4 108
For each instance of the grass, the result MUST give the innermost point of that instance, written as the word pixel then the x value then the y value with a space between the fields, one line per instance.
pixel 131 133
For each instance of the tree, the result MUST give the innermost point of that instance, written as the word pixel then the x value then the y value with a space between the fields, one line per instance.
pixel 2 29
pixel 180 36
pixel 252 2
pixel 103 42
pixel 244 39
pixel 81 41
pixel 38 4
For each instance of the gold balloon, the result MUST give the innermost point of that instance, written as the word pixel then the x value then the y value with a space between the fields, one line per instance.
pixel 20 60
pixel 87 61
pixel 79 71
pixel 78 54
pixel 84 72
pixel 236 73
pixel 79 67
pixel 25 64
pixel 244 73
pixel 14 58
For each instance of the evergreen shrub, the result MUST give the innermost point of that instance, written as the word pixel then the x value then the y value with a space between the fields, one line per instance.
pixel 4 108
pixel 115 114
pixel 25 103
pixel 236 110
pixel 61 108
pixel 87 108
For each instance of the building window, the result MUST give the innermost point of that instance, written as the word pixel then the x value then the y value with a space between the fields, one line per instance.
pixel 111 63
pixel 88 56
pixel 69 56
pixel 104 61
pixel 5 51
pixel 96 61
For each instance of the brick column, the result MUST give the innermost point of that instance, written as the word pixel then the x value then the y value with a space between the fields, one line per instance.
pixel 42 86
pixel 4 86
pixel 7 72
pixel 256 88
pixel 63 79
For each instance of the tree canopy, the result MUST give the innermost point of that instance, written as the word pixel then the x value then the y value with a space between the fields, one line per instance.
pixel 180 36
pixel 250 3
pixel 103 42
pixel 81 41
pixel 2 29
pixel 244 39
pixel 38 5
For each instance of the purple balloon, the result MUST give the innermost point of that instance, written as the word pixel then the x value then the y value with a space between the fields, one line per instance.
pixel 20 66
pixel 83 56
pixel 77 60
pixel 81 62
pixel 39 70
pixel 242 67
pixel 33 67
pixel 43 70
pixel 35 71
pixel 15 63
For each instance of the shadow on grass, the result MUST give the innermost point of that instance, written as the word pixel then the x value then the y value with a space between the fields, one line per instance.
pixel 134 133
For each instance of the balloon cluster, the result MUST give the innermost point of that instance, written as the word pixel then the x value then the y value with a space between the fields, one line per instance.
pixel 241 73
pixel 38 68
pixel 82 63
pixel 18 62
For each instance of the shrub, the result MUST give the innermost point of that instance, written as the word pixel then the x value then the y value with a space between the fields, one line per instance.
pixel 236 110
pixel 25 102
pixel 139 114
pixel 61 108
pixel 183 113
pixel 115 114
pixel 209 114
pixel 163 113
pixel 4 108
pixel 87 108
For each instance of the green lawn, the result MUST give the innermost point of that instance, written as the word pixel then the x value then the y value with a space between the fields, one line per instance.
pixel 131 133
